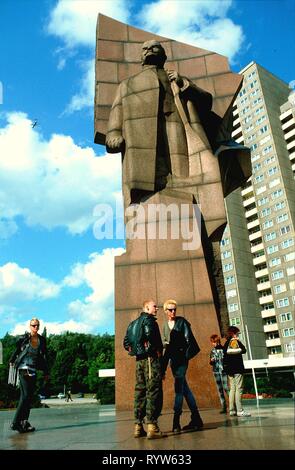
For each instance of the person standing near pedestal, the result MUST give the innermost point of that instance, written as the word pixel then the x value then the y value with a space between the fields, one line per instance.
pixel 216 361
pixel 180 346
pixel 145 338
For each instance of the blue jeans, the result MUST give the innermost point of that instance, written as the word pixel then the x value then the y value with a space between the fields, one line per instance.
pixel 182 389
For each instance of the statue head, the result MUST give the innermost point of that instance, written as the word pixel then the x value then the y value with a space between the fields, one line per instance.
pixel 153 53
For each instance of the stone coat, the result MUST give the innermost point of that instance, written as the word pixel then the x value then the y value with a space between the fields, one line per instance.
pixel 134 115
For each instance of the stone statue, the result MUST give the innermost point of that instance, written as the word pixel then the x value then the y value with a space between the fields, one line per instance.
pixel 164 127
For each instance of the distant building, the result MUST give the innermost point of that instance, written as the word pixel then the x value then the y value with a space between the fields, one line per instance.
pixel 257 249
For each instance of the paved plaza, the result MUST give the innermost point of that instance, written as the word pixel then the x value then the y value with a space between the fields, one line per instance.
pixel 89 426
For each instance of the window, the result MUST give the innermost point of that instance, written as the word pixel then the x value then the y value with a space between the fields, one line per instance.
pixel 224 241
pixel 272 170
pixel 234 321
pixel 279 205
pixel 226 254
pixel 258 100
pixel 285 317
pixel 262 201
pixel 274 262
pixel 249 128
pixel 252 84
pixel 255 157
pixel 276 350
pixel 233 307
pixel 280 288
pixel 283 302
pixel 262 118
pixel 287 243
pixel 260 190
pixel 263 129
pixel 247 119
pixel 267 224
pixel 269 160
pixel 257 167
pixel 270 236
pixel 231 293
pixel 253 147
pixel 244 100
pixel 259 178
pixel 251 74
pixel 272 249
pixel 288 332
pixel 289 256
pixel 282 218
pixel 285 229
pixel 277 193
pixel 274 182
pixel 277 275
pixel 251 137
pixel 243 92
pixel 265 212
pixel 264 140
pixel 291 271
pixel 245 110
pixel 267 149
pixel 229 280
pixel 227 267
pixel 290 347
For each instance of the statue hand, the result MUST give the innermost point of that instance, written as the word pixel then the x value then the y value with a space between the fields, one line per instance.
pixel 115 142
pixel 173 75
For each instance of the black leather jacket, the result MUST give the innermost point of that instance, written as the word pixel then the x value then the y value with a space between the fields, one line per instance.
pixel 21 349
pixel 180 343
pixel 151 343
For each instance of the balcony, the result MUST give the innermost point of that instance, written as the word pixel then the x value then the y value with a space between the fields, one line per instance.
pixel 263 286
pixel 259 260
pixel 268 313
pixel 254 223
pixel 257 247
pixel 240 140
pixel 288 124
pixel 291 145
pixel 265 299
pixel 270 343
pixel 248 190
pixel 269 328
pixel 250 212
pixel 237 133
pixel 286 114
pixel 249 201
pixel 292 156
pixel 255 235
pixel 290 134
pixel 236 122
pixel 261 272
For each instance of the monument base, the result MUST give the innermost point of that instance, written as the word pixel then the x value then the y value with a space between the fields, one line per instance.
pixel 162 269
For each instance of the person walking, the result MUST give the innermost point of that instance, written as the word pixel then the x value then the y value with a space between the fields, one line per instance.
pixel 144 336
pixel 29 355
pixel 180 346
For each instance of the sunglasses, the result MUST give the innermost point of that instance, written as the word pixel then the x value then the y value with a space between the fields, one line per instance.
pixel 171 309
pixel 35 326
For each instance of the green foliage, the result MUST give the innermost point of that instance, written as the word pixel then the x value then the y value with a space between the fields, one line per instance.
pixel 277 384
pixel 74 360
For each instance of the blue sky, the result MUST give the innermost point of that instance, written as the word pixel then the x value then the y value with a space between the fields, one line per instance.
pixel 52 176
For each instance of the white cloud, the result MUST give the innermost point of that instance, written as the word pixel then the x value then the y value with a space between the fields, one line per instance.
pixel 97 308
pixel 7 228
pixel 17 283
pixel 52 182
pixel 203 23
pixel 85 97
pixel 75 21
pixel 53 328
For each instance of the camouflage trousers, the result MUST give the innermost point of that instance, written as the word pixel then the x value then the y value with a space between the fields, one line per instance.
pixel 148 397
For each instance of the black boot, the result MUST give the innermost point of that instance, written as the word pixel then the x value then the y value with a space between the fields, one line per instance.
pixel 196 422
pixel 223 410
pixel 176 424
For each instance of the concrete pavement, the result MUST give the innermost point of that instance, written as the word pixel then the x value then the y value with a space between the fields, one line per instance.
pixel 99 427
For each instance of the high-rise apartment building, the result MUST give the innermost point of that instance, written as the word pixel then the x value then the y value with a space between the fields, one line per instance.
pixel 258 247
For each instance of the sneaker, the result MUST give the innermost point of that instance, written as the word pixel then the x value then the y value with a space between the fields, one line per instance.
pixel 243 413
pixel 232 413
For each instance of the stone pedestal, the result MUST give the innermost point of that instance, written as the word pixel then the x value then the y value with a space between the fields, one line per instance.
pixel 161 269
